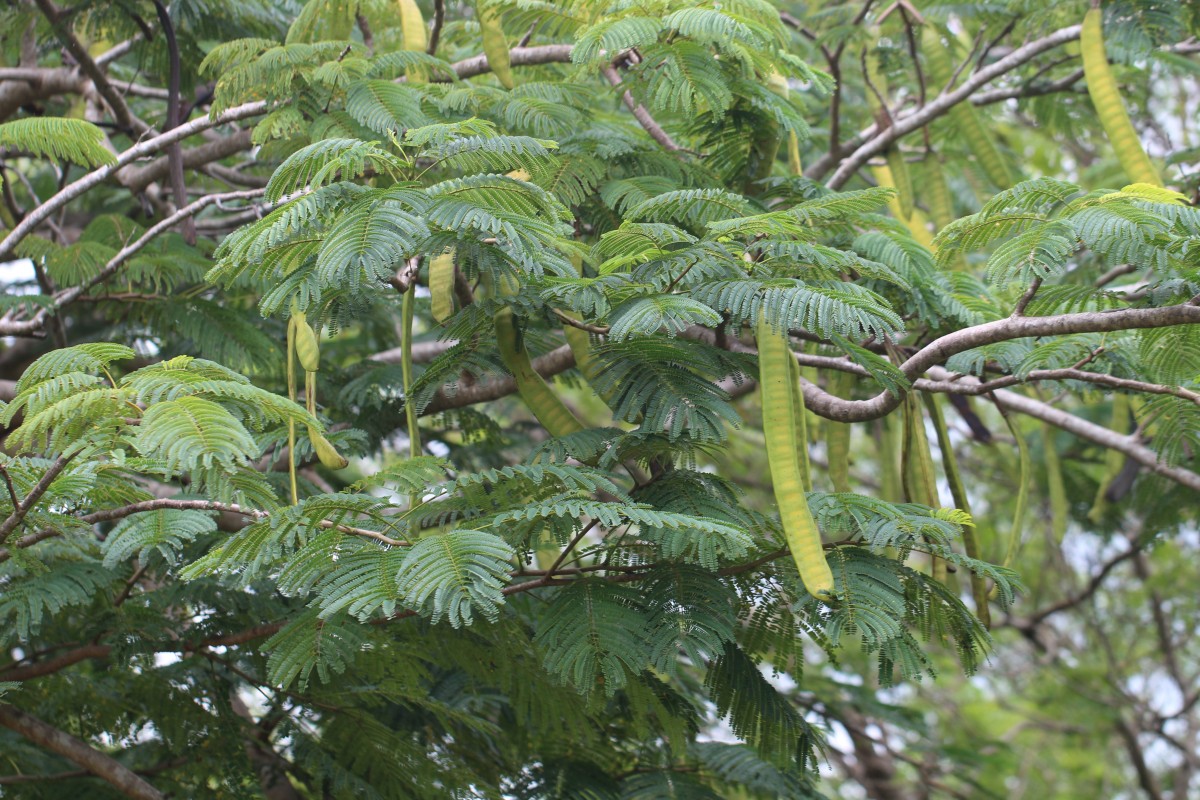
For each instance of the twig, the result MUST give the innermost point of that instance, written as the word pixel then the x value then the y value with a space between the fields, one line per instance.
pixel 640 113
pixel 21 509
pixel 175 149
pixel 439 19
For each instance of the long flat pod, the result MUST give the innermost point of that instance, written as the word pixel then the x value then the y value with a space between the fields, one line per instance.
pixel 495 44
pixel 412 24
pixel 1110 108
pixel 966 120
pixel 441 284
pixel 918 472
pixel 837 436
pixel 541 400
pixel 1056 488
pixel 777 379
pixel 1113 460
pixel 958 491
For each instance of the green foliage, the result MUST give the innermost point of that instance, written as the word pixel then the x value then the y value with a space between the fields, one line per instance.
pixel 69 140
pixel 476 607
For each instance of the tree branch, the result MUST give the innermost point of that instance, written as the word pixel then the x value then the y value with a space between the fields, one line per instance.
pixel 908 123
pixel 94 178
pixel 78 752
pixel 641 114
pixel 22 509
pixel 124 117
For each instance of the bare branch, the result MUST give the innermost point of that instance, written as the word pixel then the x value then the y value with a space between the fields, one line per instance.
pixel 96 177
pixel 125 118
pixel 908 123
pixel 641 114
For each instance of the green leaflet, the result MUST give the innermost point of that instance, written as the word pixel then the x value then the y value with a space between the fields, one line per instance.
pixel 441 284
pixel 1110 108
pixel 495 44
pixel 782 417
pixel 959 493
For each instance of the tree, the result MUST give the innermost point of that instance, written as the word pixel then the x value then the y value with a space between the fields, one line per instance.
pixel 584 399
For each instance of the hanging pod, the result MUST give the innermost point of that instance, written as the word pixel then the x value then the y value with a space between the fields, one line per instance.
pixel 1110 108
pixel 958 492
pixel 964 117
pixel 327 454
pixel 837 436
pixel 781 427
pixel 441 284
pixel 917 472
pixel 412 25
pixel 308 349
pixel 495 44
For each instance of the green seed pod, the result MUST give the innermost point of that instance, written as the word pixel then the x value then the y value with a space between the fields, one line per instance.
pixel 326 453
pixel 308 351
pixel 441 284
pixel 1106 97
pixel 779 386
pixel 495 43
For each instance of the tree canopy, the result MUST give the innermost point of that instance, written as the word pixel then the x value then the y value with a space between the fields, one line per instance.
pixel 597 399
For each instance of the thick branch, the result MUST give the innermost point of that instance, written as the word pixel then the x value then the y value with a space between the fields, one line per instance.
pixel 175 151
pixel 552 363
pixel 77 751
pixel 137 179
pixel 518 57
pixel 68 296
pixel 942 348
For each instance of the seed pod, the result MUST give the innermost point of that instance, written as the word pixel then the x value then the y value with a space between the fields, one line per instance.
pixel 441 284
pixel 902 180
pixel 970 533
pixel 412 24
pixel 1106 97
pixel 326 453
pixel 963 115
pixel 308 350
pixel 777 378
pixel 550 411
pixel 837 436
pixel 495 43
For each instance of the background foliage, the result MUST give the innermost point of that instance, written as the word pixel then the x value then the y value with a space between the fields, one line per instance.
pixel 382 403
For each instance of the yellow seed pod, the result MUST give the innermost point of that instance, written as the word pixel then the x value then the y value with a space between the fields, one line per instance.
pixel 308 351
pixel 412 24
pixel 441 284
pixel 495 44
pixel 1110 108
pixel 782 403
pixel 327 454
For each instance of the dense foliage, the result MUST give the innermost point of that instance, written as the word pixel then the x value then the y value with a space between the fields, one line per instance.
pixel 597 399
